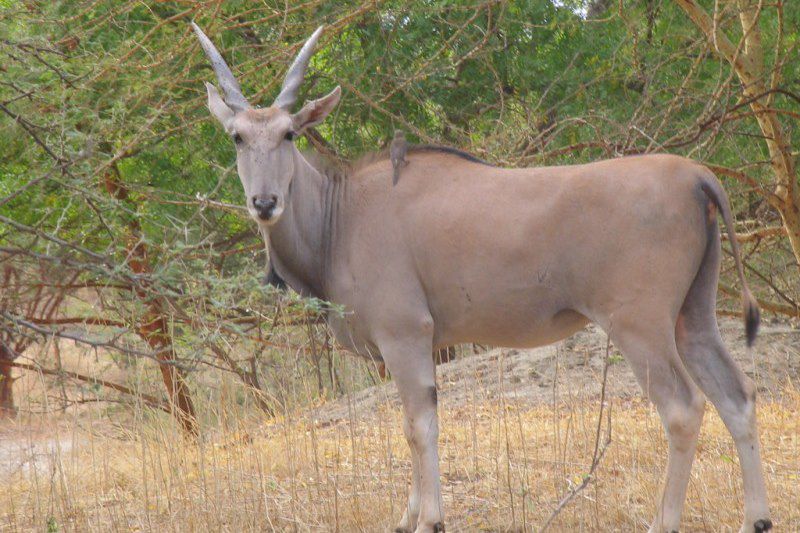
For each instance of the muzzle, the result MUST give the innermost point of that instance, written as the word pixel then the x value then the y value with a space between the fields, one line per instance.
pixel 265 206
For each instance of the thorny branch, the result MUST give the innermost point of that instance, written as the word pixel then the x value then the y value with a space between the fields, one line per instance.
pixel 599 448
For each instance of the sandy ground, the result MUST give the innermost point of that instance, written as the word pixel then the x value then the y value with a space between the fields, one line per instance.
pixel 23 448
pixel 345 462
pixel 573 369
pixel 569 370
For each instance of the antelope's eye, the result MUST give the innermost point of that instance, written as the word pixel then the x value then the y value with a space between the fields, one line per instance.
pixel 237 138
pixel 290 135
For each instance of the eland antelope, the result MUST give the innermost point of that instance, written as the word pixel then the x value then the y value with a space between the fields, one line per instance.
pixel 461 251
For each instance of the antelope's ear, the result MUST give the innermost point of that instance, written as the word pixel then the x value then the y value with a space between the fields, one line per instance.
pixel 219 108
pixel 315 111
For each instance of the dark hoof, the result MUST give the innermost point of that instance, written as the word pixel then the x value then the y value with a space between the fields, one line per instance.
pixel 438 527
pixel 763 525
pixel 401 530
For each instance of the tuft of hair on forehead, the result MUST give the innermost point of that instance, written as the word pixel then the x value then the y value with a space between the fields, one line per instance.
pixel 261 114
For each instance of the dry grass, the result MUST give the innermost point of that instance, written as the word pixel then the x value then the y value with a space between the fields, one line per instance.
pixel 504 467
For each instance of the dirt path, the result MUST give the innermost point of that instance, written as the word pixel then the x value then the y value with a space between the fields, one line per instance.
pixel 23 447
pixel 572 370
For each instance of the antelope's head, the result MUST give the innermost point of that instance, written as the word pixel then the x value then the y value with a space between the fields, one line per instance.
pixel 265 154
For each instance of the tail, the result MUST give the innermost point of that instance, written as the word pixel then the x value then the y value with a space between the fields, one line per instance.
pixel 752 316
pixel 396 174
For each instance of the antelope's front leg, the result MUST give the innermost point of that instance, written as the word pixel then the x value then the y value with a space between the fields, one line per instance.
pixel 409 521
pixel 409 360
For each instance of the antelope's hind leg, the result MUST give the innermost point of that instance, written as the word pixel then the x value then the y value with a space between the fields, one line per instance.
pixel 648 344
pixel 720 378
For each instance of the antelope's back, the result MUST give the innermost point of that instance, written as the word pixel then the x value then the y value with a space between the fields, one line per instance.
pixel 497 250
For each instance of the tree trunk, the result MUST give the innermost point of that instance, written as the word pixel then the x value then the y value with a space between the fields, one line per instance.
pixel 156 334
pixel 153 326
pixel 791 221
pixel 748 62
pixel 7 407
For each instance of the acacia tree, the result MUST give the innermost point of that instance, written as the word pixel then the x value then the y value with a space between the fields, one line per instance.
pixel 761 87
pixel 113 170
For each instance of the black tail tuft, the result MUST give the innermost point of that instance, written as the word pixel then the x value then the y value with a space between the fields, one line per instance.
pixel 752 317
pixel 713 189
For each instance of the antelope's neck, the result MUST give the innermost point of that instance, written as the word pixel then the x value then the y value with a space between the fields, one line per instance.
pixel 300 243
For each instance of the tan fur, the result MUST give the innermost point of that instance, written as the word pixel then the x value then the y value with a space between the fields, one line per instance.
pixel 263 114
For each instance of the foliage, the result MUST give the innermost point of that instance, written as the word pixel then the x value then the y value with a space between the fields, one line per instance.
pixel 114 172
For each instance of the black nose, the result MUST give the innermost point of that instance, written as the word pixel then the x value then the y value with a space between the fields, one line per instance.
pixel 265 205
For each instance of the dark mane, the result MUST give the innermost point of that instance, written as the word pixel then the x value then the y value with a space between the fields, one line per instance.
pixel 446 150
